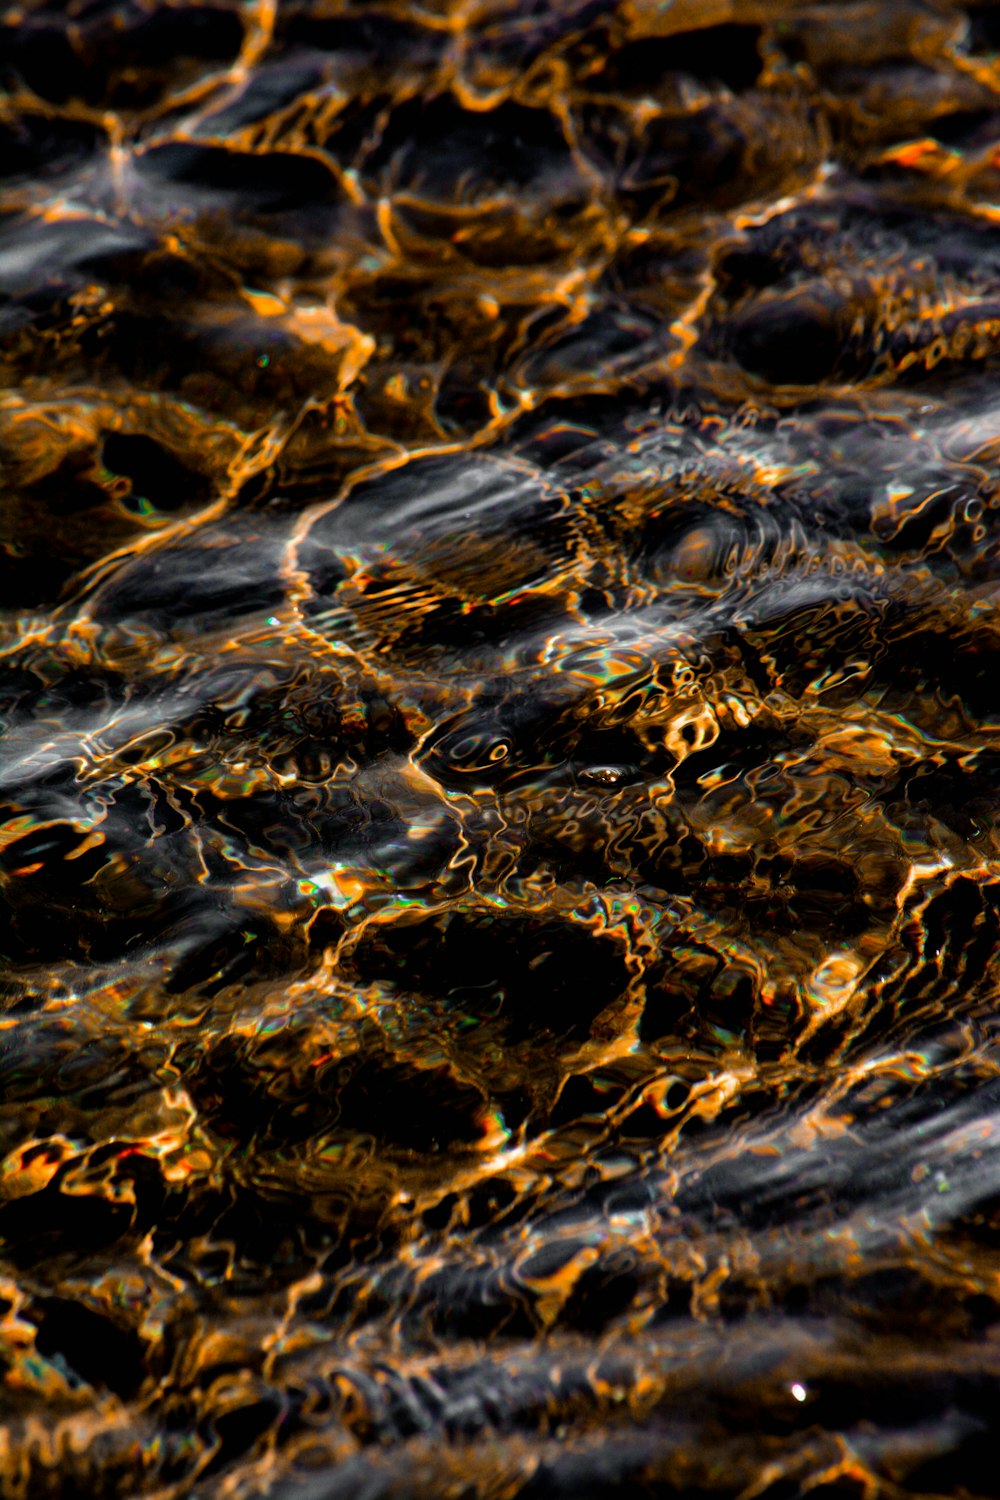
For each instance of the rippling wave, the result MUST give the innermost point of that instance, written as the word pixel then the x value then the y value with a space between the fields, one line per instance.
pixel 499 672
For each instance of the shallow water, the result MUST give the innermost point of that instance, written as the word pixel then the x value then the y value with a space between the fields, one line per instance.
pixel 499 845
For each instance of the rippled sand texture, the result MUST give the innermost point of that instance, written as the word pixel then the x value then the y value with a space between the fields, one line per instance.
pixel 501 685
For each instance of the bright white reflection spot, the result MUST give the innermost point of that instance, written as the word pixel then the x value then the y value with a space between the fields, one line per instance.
pixel 799 1392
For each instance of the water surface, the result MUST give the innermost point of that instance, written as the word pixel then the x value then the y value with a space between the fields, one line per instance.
pixel 500 763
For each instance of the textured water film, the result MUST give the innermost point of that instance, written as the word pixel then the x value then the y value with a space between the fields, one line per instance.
pixel 500 688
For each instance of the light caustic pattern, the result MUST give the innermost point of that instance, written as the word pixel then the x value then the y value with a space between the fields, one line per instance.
pixel 498 799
